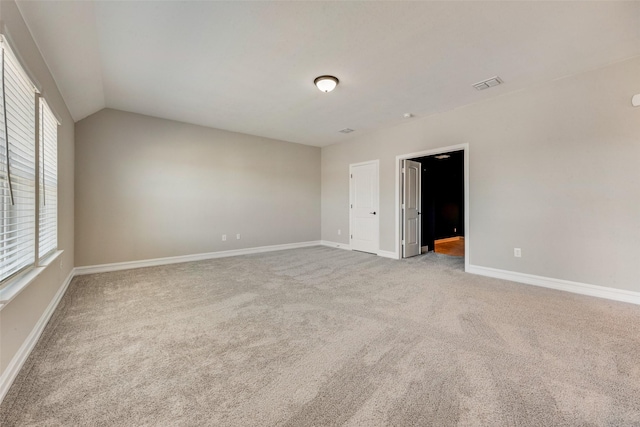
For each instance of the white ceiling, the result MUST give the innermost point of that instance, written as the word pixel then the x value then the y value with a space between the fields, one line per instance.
pixel 249 66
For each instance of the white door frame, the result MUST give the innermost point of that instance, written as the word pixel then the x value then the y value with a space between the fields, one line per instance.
pixel 464 147
pixel 351 166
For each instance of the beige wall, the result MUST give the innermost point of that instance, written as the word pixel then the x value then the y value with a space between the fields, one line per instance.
pixel 150 188
pixel 554 170
pixel 19 317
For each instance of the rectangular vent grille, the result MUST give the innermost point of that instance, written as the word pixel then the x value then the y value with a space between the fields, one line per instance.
pixel 346 130
pixel 486 84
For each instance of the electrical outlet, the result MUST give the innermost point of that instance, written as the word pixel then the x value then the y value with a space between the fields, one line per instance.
pixel 339 232
pixel 238 236
pixel 224 237
pixel 517 252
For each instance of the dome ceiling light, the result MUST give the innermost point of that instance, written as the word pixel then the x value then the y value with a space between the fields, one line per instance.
pixel 326 83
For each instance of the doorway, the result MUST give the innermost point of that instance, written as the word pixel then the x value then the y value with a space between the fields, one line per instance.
pixel 444 209
pixel 442 206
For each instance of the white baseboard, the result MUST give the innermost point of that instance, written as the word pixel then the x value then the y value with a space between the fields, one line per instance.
pixel 335 245
pixel 104 268
pixel 559 284
pixel 387 254
pixel 12 370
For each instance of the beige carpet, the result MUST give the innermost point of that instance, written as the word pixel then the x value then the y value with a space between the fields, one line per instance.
pixel 323 337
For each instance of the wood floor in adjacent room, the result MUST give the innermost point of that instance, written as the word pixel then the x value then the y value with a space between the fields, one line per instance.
pixel 327 337
pixel 450 247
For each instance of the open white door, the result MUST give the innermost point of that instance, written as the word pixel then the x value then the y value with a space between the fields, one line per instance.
pixel 363 203
pixel 411 221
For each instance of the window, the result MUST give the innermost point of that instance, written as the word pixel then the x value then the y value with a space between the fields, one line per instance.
pixel 48 234
pixel 28 128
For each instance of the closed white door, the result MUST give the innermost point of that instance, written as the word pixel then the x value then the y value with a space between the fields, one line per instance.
pixel 363 206
pixel 411 232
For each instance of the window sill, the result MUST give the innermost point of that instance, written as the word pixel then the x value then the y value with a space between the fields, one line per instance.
pixel 20 283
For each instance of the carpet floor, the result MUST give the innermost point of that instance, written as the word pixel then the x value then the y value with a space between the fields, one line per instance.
pixel 327 337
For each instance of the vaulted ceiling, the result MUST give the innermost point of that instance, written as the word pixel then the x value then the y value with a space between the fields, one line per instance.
pixel 249 66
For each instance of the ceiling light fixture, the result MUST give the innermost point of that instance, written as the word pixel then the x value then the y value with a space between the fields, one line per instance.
pixel 442 156
pixel 326 83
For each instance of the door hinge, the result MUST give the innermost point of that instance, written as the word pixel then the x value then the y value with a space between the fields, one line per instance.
pixel 352 236
pixel 351 206
pixel 402 170
pixel 403 242
pixel 351 175
pixel 403 206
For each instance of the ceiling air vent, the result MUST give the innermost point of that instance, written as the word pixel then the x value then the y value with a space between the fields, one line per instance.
pixel 486 84
pixel 346 130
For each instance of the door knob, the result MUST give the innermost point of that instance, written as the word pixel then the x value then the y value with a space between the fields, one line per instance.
pixel 372 213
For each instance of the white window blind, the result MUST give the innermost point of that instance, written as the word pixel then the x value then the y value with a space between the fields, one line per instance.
pixel 17 167
pixel 48 234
